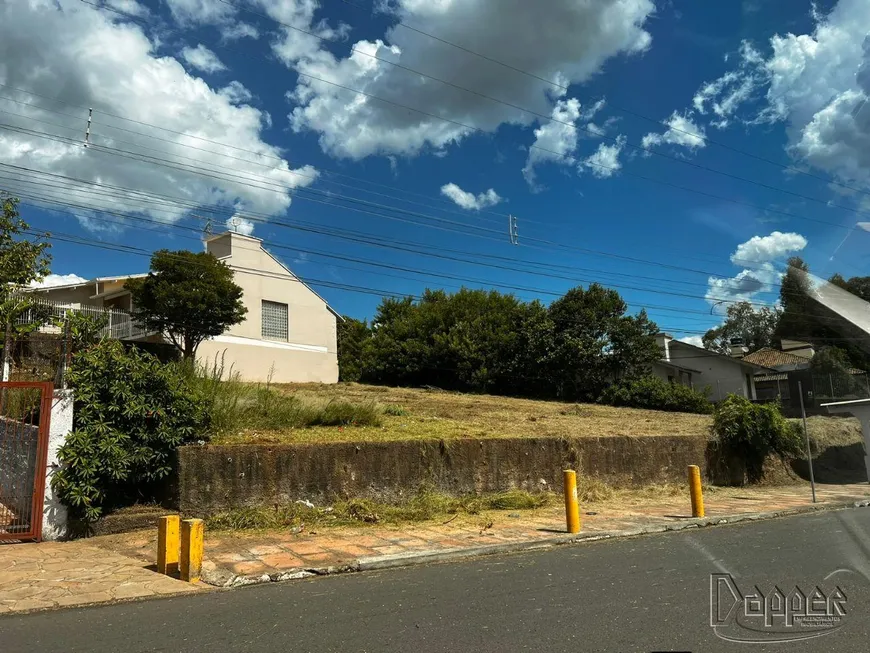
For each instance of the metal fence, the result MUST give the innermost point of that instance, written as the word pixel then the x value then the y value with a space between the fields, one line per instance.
pixel 44 353
pixel 840 387
pixel 25 410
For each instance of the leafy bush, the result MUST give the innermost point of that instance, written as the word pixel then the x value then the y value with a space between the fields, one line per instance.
pixel 651 392
pixel 751 432
pixel 131 412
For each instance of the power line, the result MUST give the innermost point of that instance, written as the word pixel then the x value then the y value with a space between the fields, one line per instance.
pixel 566 89
pixel 205 172
pixel 421 272
pixel 512 267
pixel 391 244
pixel 540 115
pixel 620 169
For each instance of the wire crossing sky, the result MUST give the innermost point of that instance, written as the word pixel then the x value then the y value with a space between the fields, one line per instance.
pixel 676 154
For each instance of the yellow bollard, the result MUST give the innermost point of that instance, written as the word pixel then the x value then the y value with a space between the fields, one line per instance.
pixel 192 531
pixel 167 544
pixel 572 509
pixel 695 491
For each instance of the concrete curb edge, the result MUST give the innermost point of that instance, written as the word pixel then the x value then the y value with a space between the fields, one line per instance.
pixel 226 579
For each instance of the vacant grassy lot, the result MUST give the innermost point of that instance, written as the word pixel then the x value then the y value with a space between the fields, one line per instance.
pixel 409 413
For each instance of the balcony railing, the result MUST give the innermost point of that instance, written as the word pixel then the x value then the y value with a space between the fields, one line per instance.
pixel 119 326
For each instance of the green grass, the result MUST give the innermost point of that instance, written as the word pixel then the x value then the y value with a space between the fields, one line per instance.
pixel 426 505
pixel 235 407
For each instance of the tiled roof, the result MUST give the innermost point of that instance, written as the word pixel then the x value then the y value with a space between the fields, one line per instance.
pixel 774 358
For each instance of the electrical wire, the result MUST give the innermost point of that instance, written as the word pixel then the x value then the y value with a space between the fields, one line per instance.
pixel 565 88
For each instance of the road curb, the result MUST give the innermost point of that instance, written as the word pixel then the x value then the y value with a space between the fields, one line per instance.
pixel 225 579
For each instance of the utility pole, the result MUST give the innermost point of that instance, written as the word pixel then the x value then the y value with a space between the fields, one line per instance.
pixel 88 129
pixel 513 233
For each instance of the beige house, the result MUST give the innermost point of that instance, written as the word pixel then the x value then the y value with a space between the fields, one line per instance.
pixel 289 332
pixel 701 368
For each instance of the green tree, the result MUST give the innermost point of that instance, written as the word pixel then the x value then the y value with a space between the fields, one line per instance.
pixel 831 373
pixel 596 343
pixel 757 328
pixel 188 297
pixel 464 341
pixel 797 318
pixel 22 261
pixel 352 337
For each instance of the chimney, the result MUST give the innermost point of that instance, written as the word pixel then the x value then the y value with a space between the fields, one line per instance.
pixel 663 340
pixel 737 349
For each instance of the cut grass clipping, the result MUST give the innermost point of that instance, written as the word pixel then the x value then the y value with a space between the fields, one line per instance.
pixel 424 506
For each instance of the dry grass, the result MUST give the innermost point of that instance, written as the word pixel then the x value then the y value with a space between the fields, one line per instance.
pixel 421 414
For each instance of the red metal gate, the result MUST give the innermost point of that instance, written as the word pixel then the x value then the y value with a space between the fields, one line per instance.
pixel 25 412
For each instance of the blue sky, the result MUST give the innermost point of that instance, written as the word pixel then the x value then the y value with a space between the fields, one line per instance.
pixel 678 152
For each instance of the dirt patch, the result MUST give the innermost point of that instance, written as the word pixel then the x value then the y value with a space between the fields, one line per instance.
pixel 420 414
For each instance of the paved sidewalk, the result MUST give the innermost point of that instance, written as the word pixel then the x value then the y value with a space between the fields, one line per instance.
pixel 63 574
pixel 238 558
pixel 120 567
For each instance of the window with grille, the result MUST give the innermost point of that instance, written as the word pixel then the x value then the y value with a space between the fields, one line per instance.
pixel 275 320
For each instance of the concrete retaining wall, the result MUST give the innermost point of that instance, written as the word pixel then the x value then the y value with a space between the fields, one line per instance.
pixel 214 477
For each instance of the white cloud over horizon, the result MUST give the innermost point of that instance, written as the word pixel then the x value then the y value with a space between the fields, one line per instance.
pixel 470 201
pixel 757 256
pixel 57 280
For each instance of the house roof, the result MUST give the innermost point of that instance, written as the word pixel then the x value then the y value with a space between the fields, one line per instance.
pixel 769 357
pixel 698 351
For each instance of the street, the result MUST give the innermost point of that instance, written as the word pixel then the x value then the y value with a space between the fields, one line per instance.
pixel 644 594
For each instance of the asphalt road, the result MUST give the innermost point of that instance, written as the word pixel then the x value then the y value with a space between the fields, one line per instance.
pixel 643 594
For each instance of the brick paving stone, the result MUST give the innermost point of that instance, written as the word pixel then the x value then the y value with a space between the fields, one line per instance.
pixel 282 560
pixel 265 549
pixel 248 567
pixel 304 548
pixel 318 558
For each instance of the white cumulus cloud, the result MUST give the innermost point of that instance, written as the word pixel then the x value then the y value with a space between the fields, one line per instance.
pixel 240 225
pixel 817 83
pixel 763 249
pixel 681 130
pixel 202 59
pixel 57 280
pixel 568 43
pixel 81 56
pixel 692 340
pixel 556 140
pixel 757 256
pixel 470 201
pixel 605 162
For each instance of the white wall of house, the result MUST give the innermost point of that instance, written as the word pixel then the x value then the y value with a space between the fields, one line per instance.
pixel 724 375
pixel 301 347
pixel 305 350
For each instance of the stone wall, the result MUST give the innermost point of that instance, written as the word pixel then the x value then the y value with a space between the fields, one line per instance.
pixel 215 477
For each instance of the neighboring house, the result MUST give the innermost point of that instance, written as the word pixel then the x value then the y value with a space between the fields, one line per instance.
pixel 698 368
pixel 288 334
pixel 794 357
